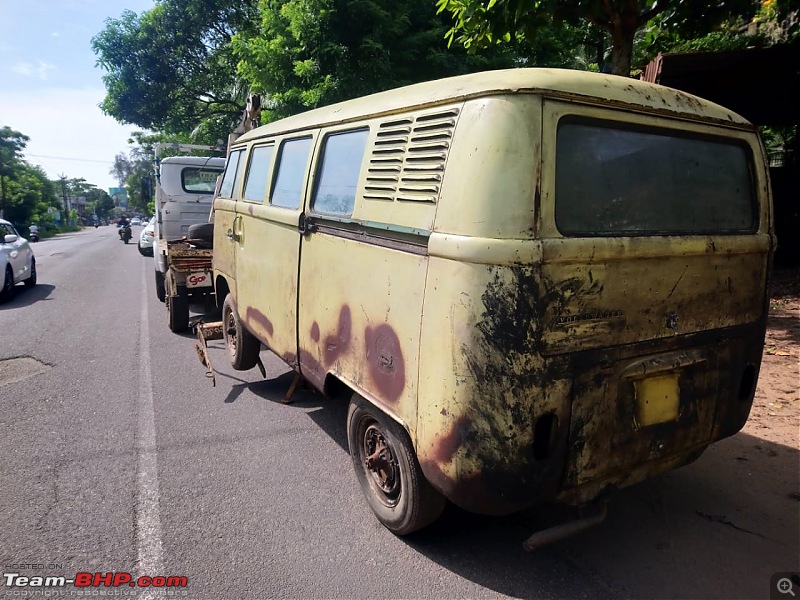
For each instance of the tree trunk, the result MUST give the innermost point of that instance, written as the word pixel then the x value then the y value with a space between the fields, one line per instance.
pixel 622 49
pixel 622 21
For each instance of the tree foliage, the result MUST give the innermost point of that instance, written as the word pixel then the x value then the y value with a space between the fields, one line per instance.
pixel 172 67
pixel 25 191
pixel 482 23
pixel 12 143
pixel 309 53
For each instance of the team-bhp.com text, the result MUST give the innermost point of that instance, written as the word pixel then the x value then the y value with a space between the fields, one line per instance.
pixel 83 579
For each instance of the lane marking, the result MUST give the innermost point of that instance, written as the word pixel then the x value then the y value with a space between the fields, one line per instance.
pixel 148 516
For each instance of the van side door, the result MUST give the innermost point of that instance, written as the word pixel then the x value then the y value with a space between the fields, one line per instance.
pixel 267 241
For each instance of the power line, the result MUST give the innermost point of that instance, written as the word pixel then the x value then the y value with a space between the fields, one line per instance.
pixel 104 162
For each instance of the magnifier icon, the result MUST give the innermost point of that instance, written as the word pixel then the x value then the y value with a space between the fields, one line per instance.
pixel 785 586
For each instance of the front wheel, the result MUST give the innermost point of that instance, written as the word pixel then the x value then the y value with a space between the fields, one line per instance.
pixel 31 281
pixel 7 291
pixel 243 346
pixel 388 471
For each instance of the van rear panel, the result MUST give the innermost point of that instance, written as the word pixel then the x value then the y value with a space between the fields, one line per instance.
pixel 630 337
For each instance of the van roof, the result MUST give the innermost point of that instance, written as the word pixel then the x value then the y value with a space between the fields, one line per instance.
pixel 214 161
pixel 556 83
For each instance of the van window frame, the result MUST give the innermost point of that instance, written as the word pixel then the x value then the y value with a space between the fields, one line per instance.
pixel 268 179
pixel 236 173
pixel 276 165
pixel 319 164
pixel 555 112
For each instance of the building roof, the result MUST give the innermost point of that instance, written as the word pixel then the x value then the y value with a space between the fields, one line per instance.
pixel 761 84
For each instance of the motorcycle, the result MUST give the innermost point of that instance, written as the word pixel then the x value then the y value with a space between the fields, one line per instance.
pixel 34 236
pixel 125 233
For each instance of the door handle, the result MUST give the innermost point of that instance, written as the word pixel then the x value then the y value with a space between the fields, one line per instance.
pixel 229 235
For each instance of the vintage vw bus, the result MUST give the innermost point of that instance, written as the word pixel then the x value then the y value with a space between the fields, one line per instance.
pixel 535 284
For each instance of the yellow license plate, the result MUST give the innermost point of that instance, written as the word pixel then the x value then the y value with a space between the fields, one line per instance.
pixel 657 399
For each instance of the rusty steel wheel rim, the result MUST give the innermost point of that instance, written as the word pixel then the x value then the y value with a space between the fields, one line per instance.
pixel 380 465
pixel 230 332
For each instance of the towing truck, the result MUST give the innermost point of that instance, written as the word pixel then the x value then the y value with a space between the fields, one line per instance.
pixel 184 195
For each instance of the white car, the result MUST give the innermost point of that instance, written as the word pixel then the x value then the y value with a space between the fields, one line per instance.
pixel 146 238
pixel 16 260
pixel 136 221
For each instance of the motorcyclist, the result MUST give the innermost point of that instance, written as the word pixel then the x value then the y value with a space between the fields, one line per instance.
pixel 34 229
pixel 122 224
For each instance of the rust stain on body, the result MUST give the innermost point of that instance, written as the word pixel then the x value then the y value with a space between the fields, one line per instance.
pixel 334 345
pixel 256 316
pixel 385 361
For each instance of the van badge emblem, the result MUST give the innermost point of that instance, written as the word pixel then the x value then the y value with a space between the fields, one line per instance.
pixel 672 321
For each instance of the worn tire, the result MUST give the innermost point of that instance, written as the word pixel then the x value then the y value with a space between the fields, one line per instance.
pixel 243 346
pixel 31 281
pixel 394 485
pixel 7 291
pixel 178 311
pixel 161 291
pixel 201 235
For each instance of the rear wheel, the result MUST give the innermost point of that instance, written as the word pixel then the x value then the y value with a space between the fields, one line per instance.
pixel 388 471
pixel 243 346
pixel 161 291
pixel 31 281
pixel 7 292
pixel 178 311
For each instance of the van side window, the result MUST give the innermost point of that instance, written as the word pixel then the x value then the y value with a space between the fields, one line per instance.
pixel 229 178
pixel 342 156
pixel 255 188
pixel 291 171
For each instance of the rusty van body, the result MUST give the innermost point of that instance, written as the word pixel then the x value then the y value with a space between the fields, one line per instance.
pixel 537 284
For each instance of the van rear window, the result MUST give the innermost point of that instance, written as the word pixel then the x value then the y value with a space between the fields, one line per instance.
pixel 199 180
pixel 616 181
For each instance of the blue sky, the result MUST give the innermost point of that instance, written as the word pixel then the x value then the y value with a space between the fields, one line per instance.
pixel 50 86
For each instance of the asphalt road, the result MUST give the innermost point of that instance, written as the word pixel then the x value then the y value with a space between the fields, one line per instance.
pixel 119 455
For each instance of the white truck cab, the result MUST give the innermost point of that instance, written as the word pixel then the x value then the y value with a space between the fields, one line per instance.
pixel 184 194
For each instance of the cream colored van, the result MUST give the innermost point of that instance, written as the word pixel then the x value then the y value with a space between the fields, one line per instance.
pixel 536 285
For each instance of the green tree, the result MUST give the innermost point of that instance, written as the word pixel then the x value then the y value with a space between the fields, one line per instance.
pixel 172 69
pixel 99 203
pixel 29 195
pixel 309 53
pixel 12 143
pixel 482 23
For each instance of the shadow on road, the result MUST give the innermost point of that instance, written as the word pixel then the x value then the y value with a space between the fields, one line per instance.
pixel 718 528
pixel 26 296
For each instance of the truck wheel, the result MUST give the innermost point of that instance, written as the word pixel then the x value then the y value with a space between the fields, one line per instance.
pixel 161 292
pixel 243 346
pixel 178 310
pixel 388 471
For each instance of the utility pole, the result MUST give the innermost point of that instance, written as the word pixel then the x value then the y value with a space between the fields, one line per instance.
pixel 65 197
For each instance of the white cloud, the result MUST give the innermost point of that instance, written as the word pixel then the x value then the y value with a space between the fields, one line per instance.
pixel 68 133
pixel 23 68
pixel 26 69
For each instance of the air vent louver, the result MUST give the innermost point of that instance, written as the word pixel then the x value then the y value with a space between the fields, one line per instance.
pixel 408 158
